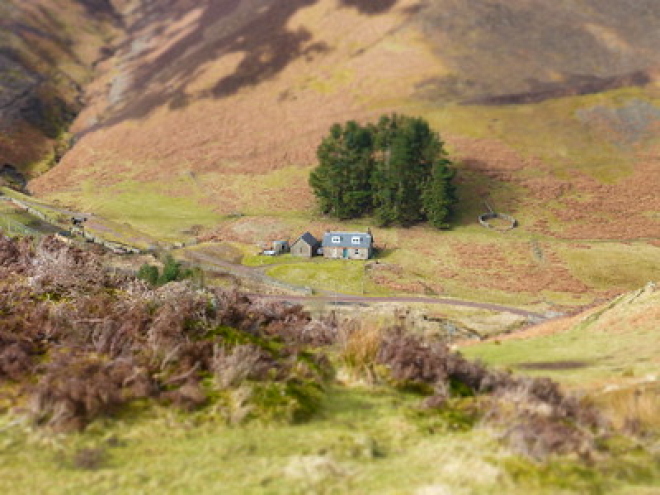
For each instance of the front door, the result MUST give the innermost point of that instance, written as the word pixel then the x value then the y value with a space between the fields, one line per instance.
pixel 345 254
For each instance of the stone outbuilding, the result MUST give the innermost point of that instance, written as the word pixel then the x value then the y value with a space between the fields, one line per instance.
pixel 348 245
pixel 281 247
pixel 305 246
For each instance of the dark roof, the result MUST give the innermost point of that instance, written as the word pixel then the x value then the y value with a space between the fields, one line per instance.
pixel 308 239
pixel 363 239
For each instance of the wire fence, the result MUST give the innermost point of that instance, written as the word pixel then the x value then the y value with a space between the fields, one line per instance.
pixel 11 228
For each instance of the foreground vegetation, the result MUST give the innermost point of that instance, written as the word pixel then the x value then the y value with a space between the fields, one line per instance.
pixel 365 441
pixel 108 383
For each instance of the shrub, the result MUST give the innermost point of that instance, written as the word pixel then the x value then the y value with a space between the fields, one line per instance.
pixel 232 367
pixel 105 341
pixel 75 390
pixel 171 272
pixel 83 348
pixel 61 270
pixel 540 419
pixel 149 274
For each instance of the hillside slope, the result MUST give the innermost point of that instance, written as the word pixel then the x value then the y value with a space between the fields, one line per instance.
pixel 47 49
pixel 552 113
pixel 616 342
pixel 227 88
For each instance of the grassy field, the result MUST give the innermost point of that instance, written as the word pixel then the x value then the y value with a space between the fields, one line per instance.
pixel 549 131
pixel 10 212
pixel 523 267
pixel 12 217
pixel 614 343
pixel 342 276
pixel 365 441
pixel 221 142
pixel 46 208
pixel 606 265
pixel 213 137
pixel 578 357
pixel 146 208
pixel 572 188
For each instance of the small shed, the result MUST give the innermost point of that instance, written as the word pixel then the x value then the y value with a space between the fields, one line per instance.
pixel 348 245
pixel 281 247
pixel 305 246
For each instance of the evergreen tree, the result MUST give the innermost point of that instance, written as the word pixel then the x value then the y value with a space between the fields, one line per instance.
pixel 341 182
pixel 171 271
pixel 406 149
pixel 396 169
pixel 439 194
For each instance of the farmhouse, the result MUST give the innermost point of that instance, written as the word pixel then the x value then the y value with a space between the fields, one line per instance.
pixel 305 246
pixel 348 245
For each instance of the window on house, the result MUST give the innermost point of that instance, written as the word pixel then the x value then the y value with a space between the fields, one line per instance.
pixel 355 240
pixel 357 251
pixel 336 239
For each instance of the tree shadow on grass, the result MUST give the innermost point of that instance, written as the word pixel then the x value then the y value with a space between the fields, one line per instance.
pixel 370 7
pixel 479 182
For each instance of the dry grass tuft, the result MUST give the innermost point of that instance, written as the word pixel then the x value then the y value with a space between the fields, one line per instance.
pixel 359 345
pixel 232 367
pixel 635 410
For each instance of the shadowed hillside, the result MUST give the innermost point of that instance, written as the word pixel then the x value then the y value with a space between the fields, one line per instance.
pixel 526 51
pixel 47 49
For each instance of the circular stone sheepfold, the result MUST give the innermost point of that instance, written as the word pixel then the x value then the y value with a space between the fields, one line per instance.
pixel 506 222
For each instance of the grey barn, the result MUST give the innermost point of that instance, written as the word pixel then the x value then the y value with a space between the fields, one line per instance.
pixel 348 245
pixel 305 246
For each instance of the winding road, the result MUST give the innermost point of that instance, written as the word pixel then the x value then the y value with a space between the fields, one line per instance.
pixel 212 262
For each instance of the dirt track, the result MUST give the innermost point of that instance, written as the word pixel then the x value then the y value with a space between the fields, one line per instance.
pixel 340 298
pixel 250 272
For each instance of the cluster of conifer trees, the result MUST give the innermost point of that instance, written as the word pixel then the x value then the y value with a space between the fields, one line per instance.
pixel 396 170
